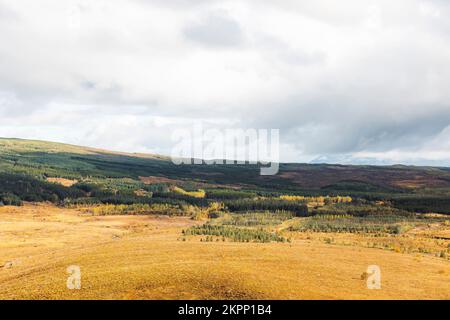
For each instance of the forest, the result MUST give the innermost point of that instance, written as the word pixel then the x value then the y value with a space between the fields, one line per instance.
pixel 29 172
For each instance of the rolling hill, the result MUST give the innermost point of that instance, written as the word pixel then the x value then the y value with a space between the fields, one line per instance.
pixel 38 162
pixel 70 161
pixel 140 227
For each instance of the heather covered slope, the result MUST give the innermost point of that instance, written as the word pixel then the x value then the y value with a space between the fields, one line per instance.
pixel 50 158
pixel 132 222
pixel 36 162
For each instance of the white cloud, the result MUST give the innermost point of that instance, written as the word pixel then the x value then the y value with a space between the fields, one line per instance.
pixel 216 29
pixel 360 78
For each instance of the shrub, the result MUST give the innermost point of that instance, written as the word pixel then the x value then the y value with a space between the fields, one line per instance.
pixel 234 233
pixel 257 218
pixel 299 209
pixel 224 194
pixel 345 223
pixel 9 199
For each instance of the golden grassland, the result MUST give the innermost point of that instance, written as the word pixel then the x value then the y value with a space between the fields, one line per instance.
pixel 29 146
pixel 62 181
pixel 143 257
pixel 196 194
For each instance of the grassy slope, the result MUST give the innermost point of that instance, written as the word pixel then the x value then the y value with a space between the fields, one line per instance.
pixel 61 160
pixel 130 257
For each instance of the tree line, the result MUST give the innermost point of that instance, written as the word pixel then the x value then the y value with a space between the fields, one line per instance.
pixel 300 209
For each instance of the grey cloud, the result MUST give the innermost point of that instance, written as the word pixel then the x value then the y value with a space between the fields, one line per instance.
pixel 331 84
pixel 278 50
pixel 333 127
pixel 326 11
pixel 216 30
pixel 87 85
pixel 178 4
pixel 6 13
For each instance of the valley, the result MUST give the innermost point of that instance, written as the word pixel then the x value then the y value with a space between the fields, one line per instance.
pixel 140 227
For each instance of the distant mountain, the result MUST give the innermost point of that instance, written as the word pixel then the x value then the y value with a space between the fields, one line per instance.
pixel 349 159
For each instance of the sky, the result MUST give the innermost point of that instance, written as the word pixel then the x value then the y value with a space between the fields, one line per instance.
pixel 354 81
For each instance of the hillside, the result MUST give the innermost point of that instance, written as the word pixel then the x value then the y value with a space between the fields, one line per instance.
pixel 140 227
pixel 38 162
pixel 64 160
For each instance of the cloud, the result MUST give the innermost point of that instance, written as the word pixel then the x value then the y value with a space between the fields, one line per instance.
pixel 216 29
pixel 362 78
pixel 6 13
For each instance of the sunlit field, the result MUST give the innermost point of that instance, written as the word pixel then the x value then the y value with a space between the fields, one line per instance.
pixel 153 257
pixel 209 153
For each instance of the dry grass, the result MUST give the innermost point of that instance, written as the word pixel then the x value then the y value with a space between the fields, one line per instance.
pixel 62 181
pixel 156 180
pixel 196 194
pixel 142 257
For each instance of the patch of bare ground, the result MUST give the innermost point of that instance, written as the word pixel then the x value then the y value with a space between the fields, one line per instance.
pixel 62 181
pixel 155 180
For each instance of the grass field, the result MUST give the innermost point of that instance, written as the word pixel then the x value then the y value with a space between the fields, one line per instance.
pixel 140 227
pixel 145 257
